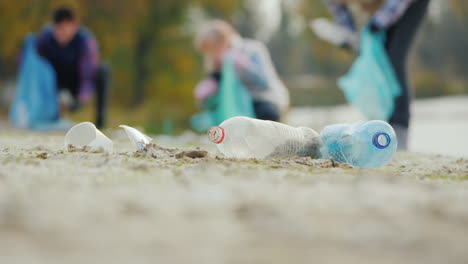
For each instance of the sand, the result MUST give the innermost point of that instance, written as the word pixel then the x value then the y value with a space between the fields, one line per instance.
pixel 174 206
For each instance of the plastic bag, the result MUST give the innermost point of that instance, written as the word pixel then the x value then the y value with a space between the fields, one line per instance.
pixel 371 84
pixel 232 99
pixel 35 105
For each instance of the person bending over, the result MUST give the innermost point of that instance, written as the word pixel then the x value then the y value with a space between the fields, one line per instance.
pixel 73 53
pixel 400 20
pixel 217 40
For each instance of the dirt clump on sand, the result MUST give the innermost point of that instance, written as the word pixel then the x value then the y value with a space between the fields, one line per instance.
pixel 155 151
pixel 42 155
pixel 158 152
pixel 193 154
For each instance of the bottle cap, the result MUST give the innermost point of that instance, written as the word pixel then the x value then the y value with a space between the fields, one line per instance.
pixel 216 134
pixel 381 140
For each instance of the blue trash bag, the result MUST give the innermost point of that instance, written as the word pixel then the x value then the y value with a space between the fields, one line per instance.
pixel 232 99
pixel 371 84
pixel 35 105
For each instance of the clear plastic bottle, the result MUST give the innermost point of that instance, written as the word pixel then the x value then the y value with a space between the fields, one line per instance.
pixel 244 137
pixel 367 144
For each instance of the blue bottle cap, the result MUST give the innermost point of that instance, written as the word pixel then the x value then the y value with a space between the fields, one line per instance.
pixel 381 140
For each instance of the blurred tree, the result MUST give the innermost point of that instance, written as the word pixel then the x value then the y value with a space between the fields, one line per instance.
pixel 159 16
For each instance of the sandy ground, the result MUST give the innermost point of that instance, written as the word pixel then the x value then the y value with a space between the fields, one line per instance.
pixel 78 207
pixel 163 206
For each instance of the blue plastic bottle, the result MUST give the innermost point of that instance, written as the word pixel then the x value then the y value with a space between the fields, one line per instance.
pixel 367 145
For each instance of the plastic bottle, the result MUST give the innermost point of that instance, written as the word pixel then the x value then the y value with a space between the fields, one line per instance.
pixel 244 137
pixel 367 144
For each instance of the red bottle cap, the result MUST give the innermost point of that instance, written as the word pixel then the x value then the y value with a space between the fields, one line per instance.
pixel 216 134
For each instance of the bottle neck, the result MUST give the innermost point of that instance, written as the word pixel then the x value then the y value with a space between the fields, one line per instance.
pixel 313 148
pixel 216 134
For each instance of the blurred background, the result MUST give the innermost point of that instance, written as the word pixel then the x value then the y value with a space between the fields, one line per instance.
pixel 149 47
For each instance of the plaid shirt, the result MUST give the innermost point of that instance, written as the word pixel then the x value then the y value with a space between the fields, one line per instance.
pixel 387 15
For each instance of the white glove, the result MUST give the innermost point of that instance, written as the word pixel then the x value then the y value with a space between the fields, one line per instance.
pixel 334 33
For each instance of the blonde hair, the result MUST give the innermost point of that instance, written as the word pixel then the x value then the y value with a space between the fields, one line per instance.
pixel 214 31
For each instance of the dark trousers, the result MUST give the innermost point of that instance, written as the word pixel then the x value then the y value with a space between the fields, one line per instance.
pixel 400 37
pixel 101 87
pixel 266 111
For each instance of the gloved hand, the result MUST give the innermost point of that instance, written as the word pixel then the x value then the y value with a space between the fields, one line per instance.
pixel 74 106
pixel 240 60
pixel 335 34
pixel 70 102
pixel 373 27
pixel 205 89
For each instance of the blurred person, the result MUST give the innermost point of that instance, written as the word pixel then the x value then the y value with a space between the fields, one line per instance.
pixel 217 40
pixel 400 20
pixel 73 53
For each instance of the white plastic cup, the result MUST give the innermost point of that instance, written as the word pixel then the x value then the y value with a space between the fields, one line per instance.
pixel 87 135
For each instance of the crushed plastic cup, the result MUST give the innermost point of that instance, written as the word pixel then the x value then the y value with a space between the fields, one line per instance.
pixel 138 139
pixel 87 135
